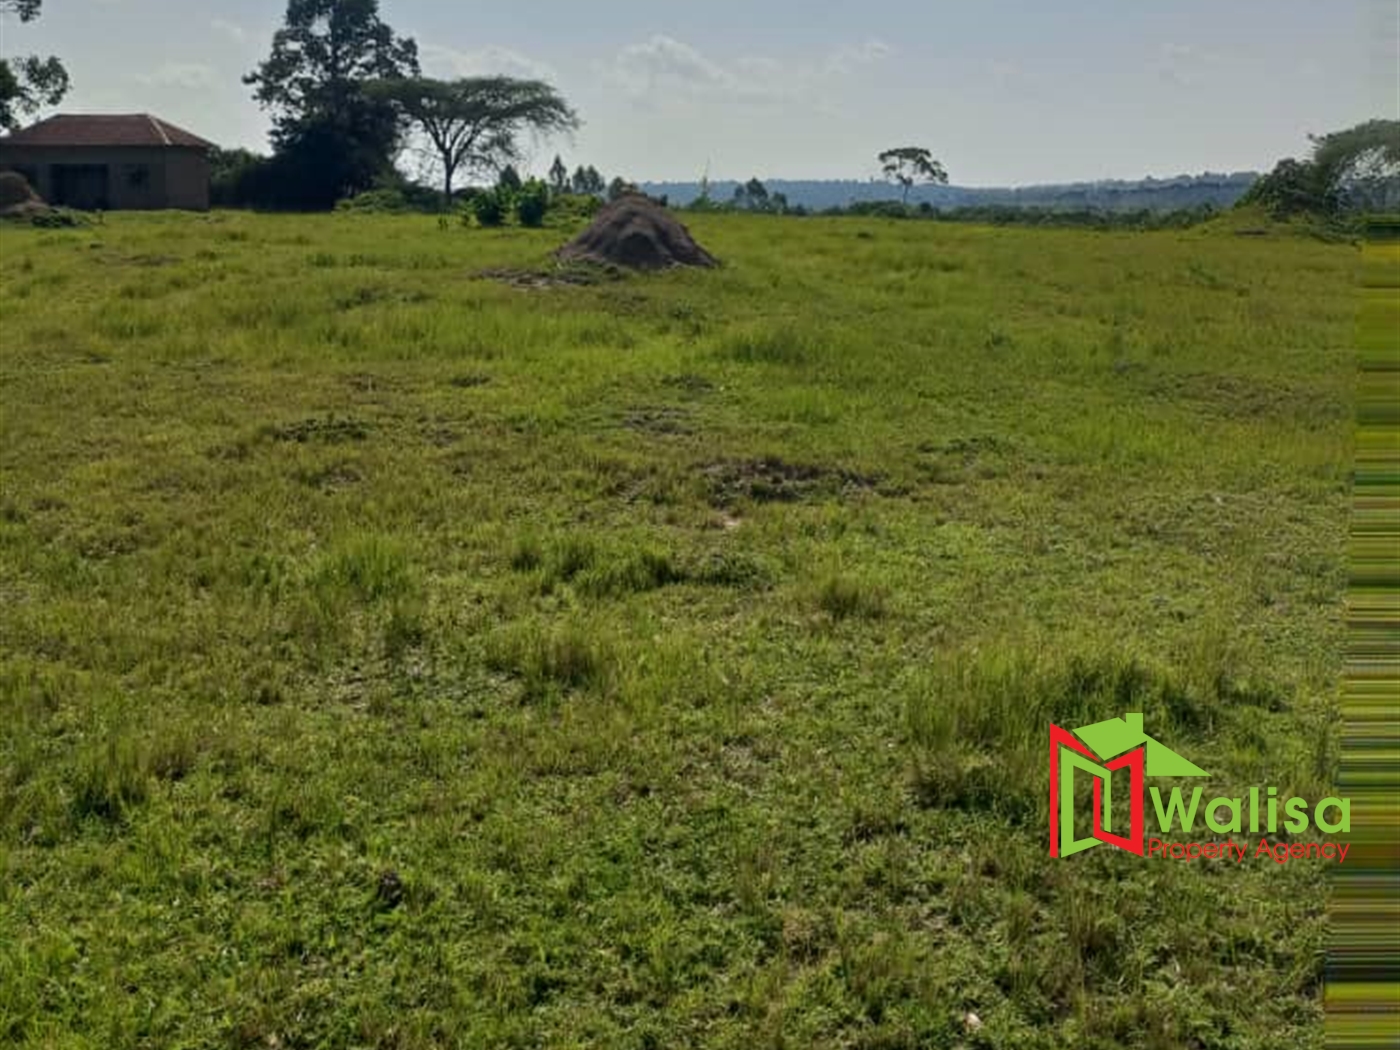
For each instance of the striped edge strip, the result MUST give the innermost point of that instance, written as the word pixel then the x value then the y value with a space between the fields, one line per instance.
pixel 1363 955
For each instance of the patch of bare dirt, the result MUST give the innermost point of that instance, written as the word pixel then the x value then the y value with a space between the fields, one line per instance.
pixel 469 381
pixel 330 431
pixel 664 419
pixel 24 211
pixel 775 480
pixel 689 383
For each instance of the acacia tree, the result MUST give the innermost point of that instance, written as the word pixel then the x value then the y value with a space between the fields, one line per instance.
pixel 1352 169
pixel 28 82
pixel 908 165
pixel 333 138
pixel 474 124
pixel 1361 165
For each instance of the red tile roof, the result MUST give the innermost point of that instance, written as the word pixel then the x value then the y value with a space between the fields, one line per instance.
pixel 83 129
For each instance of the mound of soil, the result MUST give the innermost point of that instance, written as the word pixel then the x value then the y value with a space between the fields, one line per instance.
pixel 636 232
pixel 19 202
pixel 15 190
pixel 26 211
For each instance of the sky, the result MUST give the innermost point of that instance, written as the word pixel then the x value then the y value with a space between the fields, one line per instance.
pixel 1003 93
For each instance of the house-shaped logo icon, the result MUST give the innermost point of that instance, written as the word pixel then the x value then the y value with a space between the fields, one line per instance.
pixel 1099 750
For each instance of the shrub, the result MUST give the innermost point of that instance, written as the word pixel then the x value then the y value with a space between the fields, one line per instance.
pixel 239 178
pixel 58 218
pixel 418 197
pixel 574 207
pixel 531 203
pixel 385 201
pixel 1293 187
pixel 880 209
pixel 488 207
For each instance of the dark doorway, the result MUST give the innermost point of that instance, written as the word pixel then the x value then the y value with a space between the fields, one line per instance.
pixel 80 186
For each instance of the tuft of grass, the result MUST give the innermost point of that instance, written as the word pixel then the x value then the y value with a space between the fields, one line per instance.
pixel 526 553
pixel 844 597
pixel 595 570
pixel 634 573
pixel 730 568
pixel 406 627
pixel 368 566
pixel 555 660
pixel 776 345
pixel 111 778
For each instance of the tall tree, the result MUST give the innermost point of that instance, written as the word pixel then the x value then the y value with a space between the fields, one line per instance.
pixel 587 181
pixel 509 180
pixel 475 124
pixel 1354 169
pixel 908 165
pixel 28 82
pixel 756 195
pixel 313 83
pixel 558 175
pixel 1359 166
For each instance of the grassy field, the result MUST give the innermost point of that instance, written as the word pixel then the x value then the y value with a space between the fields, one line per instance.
pixel 396 658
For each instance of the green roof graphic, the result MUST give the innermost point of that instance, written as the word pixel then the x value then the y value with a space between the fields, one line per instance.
pixel 1112 738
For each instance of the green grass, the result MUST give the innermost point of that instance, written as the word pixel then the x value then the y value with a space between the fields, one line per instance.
pixel 399 659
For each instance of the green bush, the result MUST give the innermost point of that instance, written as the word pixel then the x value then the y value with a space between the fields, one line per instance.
pixel 390 201
pixel 59 218
pixel 574 207
pixel 1293 187
pixel 531 203
pixel 489 207
pixel 239 178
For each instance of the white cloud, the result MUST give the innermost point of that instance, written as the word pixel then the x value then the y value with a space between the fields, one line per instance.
pixel 500 61
pixel 232 30
pixel 663 67
pixel 1184 64
pixel 850 59
pixel 189 76
pixel 664 63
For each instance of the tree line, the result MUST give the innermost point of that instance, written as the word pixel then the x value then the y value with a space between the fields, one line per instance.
pixel 1355 170
pixel 347 98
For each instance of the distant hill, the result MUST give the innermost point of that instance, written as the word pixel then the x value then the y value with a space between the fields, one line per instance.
pixel 1183 191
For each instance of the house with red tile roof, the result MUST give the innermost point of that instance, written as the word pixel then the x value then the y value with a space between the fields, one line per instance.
pixel 110 161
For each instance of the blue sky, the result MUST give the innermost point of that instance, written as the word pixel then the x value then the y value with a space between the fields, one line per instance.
pixel 1004 93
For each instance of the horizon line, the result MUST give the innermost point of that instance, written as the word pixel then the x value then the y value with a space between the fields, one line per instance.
pixel 873 180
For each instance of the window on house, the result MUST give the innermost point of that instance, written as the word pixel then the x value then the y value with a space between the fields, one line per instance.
pixel 138 176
